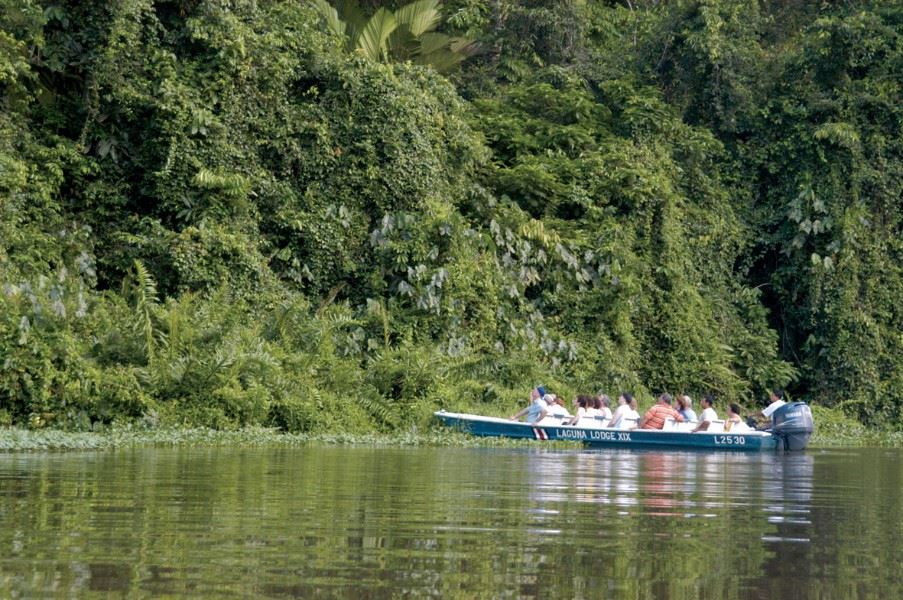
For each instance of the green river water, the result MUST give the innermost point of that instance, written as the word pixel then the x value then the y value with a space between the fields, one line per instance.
pixel 362 522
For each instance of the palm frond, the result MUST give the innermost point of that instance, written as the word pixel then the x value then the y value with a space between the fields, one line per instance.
pixel 433 42
pixel 372 41
pixel 419 16
pixel 402 45
pixel 355 19
pixel 462 45
pixel 443 52
pixel 331 16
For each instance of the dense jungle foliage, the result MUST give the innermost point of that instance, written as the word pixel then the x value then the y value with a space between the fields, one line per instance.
pixel 227 212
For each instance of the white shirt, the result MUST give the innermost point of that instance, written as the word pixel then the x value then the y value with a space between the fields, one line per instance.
pixel 558 410
pixel 580 412
pixel 620 412
pixel 738 427
pixel 773 407
pixel 709 415
pixel 628 414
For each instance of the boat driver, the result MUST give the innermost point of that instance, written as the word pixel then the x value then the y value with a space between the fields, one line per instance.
pixel 776 400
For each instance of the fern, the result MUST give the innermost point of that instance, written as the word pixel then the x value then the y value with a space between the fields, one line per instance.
pixel 141 289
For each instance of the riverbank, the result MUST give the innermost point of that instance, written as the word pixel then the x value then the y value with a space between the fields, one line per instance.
pixel 833 429
pixel 27 440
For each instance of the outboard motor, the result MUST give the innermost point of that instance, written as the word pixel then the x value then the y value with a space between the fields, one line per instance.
pixel 793 424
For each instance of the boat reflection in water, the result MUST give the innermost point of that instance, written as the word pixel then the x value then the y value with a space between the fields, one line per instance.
pixel 773 489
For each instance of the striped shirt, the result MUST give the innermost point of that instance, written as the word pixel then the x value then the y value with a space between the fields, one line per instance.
pixel 655 416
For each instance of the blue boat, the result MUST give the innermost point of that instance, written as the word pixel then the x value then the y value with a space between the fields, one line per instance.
pixel 791 430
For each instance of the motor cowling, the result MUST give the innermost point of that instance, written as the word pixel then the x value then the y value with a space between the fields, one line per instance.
pixel 793 424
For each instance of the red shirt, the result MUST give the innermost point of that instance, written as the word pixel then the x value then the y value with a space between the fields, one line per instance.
pixel 655 416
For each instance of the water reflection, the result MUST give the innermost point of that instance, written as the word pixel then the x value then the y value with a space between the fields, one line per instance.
pixel 790 492
pixel 359 522
pixel 672 484
pixel 660 490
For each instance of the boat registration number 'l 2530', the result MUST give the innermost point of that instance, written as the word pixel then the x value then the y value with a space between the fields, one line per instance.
pixel 730 440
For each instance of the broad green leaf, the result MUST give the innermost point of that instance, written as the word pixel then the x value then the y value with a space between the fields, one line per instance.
pixel 433 42
pixel 442 52
pixel 350 12
pixel 331 16
pixel 402 45
pixel 372 41
pixel 419 16
pixel 461 45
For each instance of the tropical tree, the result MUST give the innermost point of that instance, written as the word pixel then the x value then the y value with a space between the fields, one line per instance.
pixel 406 34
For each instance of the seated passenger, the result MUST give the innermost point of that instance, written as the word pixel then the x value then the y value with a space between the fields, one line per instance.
pixel 591 410
pixel 708 413
pixel 624 400
pixel 655 416
pixel 685 408
pixel 603 405
pixel 632 417
pixel 582 404
pixel 556 406
pixel 537 409
pixel 734 422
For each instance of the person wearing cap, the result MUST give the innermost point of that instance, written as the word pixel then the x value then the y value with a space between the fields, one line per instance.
pixel 537 409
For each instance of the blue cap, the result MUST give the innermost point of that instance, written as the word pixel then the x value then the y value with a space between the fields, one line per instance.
pixel 541 390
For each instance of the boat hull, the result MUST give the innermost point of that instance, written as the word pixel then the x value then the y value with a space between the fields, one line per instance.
pixel 495 427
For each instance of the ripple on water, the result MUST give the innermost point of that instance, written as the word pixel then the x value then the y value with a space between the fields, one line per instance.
pixel 383 522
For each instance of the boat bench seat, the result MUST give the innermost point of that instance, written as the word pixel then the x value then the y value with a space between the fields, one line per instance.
pixel 672 424
pixel 602 421
pixel 716 426
pixel 553 420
